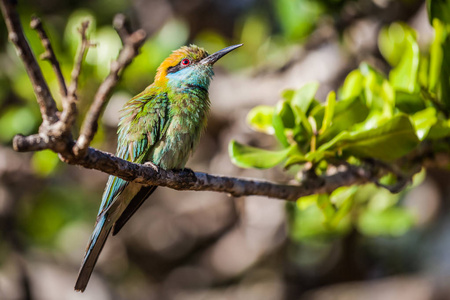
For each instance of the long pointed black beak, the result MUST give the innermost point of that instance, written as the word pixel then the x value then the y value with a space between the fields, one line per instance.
pixel 211 59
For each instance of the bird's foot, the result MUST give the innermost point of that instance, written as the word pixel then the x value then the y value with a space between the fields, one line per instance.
pixel 151 165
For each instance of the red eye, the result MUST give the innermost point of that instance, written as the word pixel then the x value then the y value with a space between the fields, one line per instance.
pixel 185 62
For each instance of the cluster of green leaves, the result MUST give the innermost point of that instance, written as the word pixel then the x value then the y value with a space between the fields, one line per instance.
pixel 376 116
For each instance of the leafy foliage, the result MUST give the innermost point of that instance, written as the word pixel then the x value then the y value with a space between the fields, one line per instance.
pixel 373 116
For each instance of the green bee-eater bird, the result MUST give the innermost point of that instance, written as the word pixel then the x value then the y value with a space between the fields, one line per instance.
pixel 163 125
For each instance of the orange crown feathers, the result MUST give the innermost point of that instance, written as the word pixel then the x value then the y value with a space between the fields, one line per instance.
pixel 193 52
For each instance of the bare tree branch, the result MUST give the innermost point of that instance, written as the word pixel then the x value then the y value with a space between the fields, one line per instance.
pixel 150 174
pixel 132 43
pixel 49 54
pixel 45 100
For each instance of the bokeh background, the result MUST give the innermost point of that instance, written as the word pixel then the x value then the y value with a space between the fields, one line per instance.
pixel 201 245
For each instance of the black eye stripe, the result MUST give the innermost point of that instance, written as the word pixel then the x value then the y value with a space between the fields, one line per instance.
pixel 178 67
pixel 173 69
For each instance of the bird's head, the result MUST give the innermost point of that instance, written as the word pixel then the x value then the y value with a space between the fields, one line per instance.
pixel 190 65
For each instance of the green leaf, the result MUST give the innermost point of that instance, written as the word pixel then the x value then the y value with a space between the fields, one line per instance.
pixel 392 42
pixel 404 76
pixel 294 160
pixel 445 74
pixel 347 113
pixel 287 94
pixel 329 111
pixel 315 156
pixel 302 120
pixel 439 130
pixel 260 119
pixel 324 203
pixel 372 90
pixel 342 198
pixel 393 221
pixel 304 96
pixel 409 103
pixel 436 54
pixel 306 201
pixel 389 141
pixel 438 9
pixel 423 120
pixel 278 126
pixel 353 85
pixel 251 157
pixel 285 112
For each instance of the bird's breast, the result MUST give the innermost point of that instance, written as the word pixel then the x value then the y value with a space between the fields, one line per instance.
pixel 187 122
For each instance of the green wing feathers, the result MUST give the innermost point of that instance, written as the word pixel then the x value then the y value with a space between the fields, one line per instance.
pixel 142 124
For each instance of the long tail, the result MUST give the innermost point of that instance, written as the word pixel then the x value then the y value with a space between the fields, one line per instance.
pixel 132 207
pixel 96 243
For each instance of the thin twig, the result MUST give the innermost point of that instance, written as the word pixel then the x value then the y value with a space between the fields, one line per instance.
pixel 120 26
pixel 126 55
pixel 49 54
pixel 45 100
pixel 80 57
pixel 69 113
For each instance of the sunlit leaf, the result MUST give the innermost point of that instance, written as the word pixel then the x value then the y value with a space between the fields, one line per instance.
pixel 353 85
pixel 343 199
pixel 347 113
pixel 436 54
pixel 278 126
pixel 404 75
pixel 295 159
pixel 303 97
pixel 423 120
pixel 393 221
pixel 260 118
pixel 392 42
pixel 302 120
pixel 251 157
pixel 373 87
pixel 307 201
pixel 324 203
pixel 389 141
pixel 329 111
pixel 288 94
